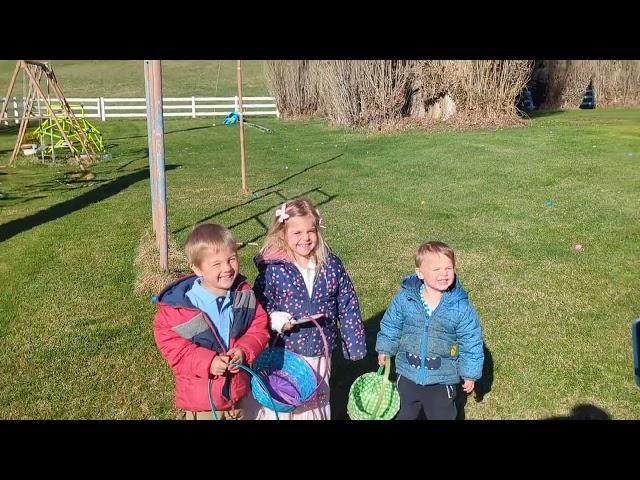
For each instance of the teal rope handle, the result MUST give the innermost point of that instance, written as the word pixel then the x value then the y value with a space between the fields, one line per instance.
pixel 258 379
pixel 211 405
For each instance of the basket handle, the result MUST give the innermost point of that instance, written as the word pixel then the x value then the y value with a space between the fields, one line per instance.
pixel 260 383
pixel 327 352
pixel 387 370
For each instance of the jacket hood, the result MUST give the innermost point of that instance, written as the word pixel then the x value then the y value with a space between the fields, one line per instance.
pixel 175 294
pixel 266 258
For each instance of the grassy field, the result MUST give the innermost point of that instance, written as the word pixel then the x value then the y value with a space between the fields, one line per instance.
pixel 125 78
pixel 77 343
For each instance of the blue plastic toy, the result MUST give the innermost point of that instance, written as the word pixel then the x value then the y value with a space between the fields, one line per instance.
pixel 233 117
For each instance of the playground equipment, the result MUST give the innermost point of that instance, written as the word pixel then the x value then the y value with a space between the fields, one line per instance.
pixel 49 137
pixel 73 133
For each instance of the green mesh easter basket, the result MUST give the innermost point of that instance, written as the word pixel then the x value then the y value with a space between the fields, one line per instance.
pixel 373 396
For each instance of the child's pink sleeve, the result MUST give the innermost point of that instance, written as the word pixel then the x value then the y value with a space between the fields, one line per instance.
pixel 184 357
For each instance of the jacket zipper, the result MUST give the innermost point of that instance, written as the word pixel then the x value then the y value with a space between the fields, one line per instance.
pixel 213 327
pixel 423 349
pixel 307 296
pixel 422 377
pixel 216 334
pixel 313 288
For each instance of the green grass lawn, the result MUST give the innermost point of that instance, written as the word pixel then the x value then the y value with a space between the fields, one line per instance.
pixel 125 78
pixel 77 343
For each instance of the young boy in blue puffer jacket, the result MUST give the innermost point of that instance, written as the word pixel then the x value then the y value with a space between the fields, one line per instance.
pixel 435 334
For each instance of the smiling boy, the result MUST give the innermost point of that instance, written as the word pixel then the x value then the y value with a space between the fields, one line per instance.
pixel 206 321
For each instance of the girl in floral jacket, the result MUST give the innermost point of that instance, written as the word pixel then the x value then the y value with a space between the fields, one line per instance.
pixel 300 277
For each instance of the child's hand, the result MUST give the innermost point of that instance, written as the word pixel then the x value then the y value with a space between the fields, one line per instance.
pixel 237 356
pixel 468 385
pixel 287 326
pixel 279 319
pixel 381 357
pixel 219 365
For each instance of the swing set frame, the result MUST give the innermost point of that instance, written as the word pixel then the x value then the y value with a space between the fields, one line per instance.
pixel 73 133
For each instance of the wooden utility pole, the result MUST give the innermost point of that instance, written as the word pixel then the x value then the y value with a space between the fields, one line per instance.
pixel 155 131
pixel 243 162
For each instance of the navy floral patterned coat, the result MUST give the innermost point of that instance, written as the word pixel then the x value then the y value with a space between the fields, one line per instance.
pixel 280 287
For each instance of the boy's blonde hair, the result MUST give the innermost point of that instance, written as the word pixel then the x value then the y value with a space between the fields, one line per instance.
pixel 275 241
pixel 208 237
pixel 434 247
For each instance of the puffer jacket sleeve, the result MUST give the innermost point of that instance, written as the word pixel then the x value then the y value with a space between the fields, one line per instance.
pixel 264 288
pixel 256 338
pixel 184 357
pixel 388 339
pixel 354 345
pixel 471 356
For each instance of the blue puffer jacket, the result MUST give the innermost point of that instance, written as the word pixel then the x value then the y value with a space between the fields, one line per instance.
pixel 439 348
pixel 280 287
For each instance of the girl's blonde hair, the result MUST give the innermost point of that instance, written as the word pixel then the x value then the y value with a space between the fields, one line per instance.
pixel 275 242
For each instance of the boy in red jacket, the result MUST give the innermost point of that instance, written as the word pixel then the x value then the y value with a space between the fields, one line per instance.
pixel 206 321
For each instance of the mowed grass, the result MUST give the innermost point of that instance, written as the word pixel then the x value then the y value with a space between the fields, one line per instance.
pixel 77 343
pixel 125 78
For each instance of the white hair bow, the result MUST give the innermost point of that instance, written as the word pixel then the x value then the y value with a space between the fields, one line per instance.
pixel 281 213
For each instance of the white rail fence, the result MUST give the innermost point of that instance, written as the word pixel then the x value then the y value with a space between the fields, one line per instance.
pixel 107 108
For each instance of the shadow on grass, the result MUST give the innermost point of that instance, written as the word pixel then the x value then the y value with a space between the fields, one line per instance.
pixel 542 113
pixel 279 198
pixel 166 133
pixel 286 179
pixel 344 372
pixel 584 411
pixel 18 200
pixel 482 387
pixel 9 129
pixel 278 193
pixel 104 191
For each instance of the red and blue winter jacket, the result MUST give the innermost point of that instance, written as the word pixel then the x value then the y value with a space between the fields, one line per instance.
pixel 189 342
